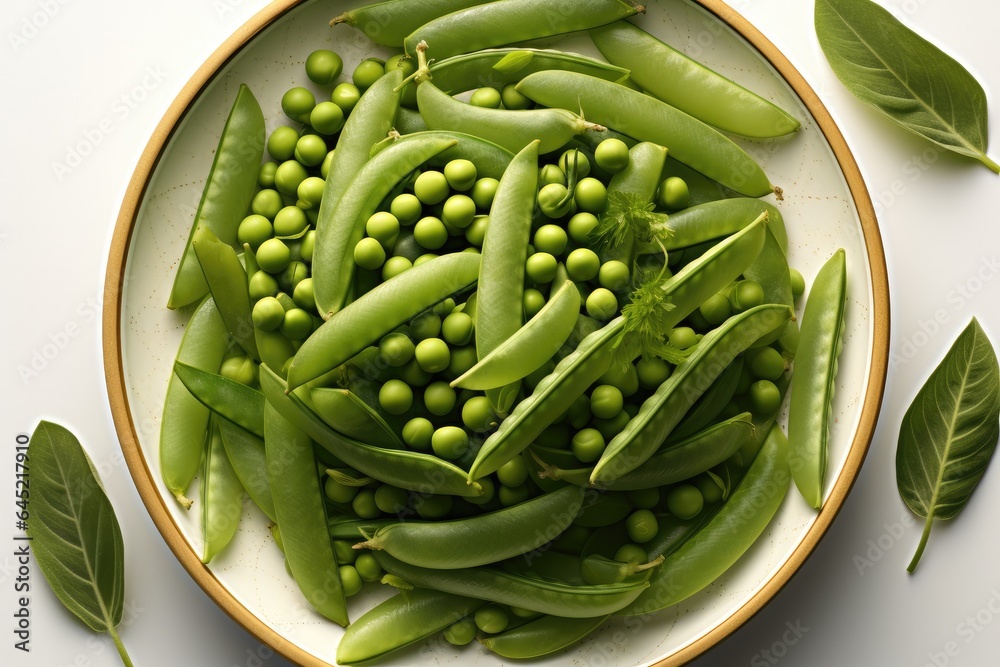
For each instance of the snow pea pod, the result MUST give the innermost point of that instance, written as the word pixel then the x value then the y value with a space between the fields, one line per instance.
pixel 542 636
pixel 246 453
pixel 645 118
pixel 184 424
pixel 709 404
pixel 348 414
pixel 530 346
pixel 391 304
pixel 401 621
pixel 414 471
pixel 299 506
pixel 810 407
pixel 237 402
pixel 496 68
pixel 682 82
pixel 498 585
pixel 227 194
pixel 726 536
pixel 333 257
pixel 491 160
pixel 712 220
pixel 227 281
pixel 636 183
pixel 221 498
pixel 509 21
pixel 482 539
pixel 350 529
pixel 388 23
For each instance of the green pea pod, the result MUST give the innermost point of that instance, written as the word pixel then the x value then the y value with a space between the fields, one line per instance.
pixel 499 295
pixel 246 453
pixel 498 585
pixel 547 565
pixel 606 509
pixel 597 569
pixel 299 506
pixel 483 539
pixel 635 184
pixel 660 413
pixel 710 404
pixel 333 257
pixel 552 396
pixel 347 413
pixel 542 636
pixel 674 532
pixel 221 498
pixel 810 407
pixel 678 80
pixel 645 118
pixel 496 68
pixel 275 347
pixel 228 191
pixel 770 271
pixel 237 402
pixel 414 471
pixel 726 536
pixel 409 121
pixel 673 463
pixel 491 160
pixel 510 21
pixel 388 23
pixel 714 220
pixel 402 620
pixel 184 425
pixel 351 529
pixel 530 346
pixel 391 304
pixel 227 281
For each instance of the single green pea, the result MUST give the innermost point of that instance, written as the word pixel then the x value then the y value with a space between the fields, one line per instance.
pixel 683 337
pixel 486 97
pixel 327 118
pixel 292 275
pixel 254 230
pixel 439 397
pixel 265 175
pixel 514 473
pixel 350 580
pixel 368 568
pixel 483 192
pixel 310 150
pixel 290 221
pixel 578 415
pixel 583 264
pixel 281 143
pixel 262 284
pixel 513 495
pixel 364 504
pixel 609 428
pixel 423 259
pixel 426 325
pixel 611 155
pixel 475 233
pixel 406 208
pixel 434 506
pixel 602 304
pixel 588 445
pixel 716 309
pixel 383 227
pixel 344 552
pixel 367 73
pixel 711 492
pixel 623 377
pixel 574 158
pixel 307 245
pixel 606 401
pixel 673 194
pixel 432 354
pixel 631 553
pixel 297 324
pixel 533 301
pixel 652 372
pixel 478 415
pixel 339 493
pixel 304 295
pixel 417 433
pixel 461 633
pixel 395 266
pixel 580 226
pixel 767 364
pixel 268 314
pixel 614 275
pixel 345 95
pixel 746 294
pixel 765 398
pixel 288 176
pixel 323 67
pixel 450 442
pixel 403 62
pixel 267 202
pixel 458 211
pixel 461 174
pixel 513 98
pixel 642 526
pixel 462 359
pixel 492 619
pixel 396 349
pixel 240 368
pixel 590 195
pixel 554 200
pixel 798 283
pixel 457 329
pixel 541 267
pixel 273 256
pixel 431 187
pixel 324 169
pixel 395 397
pixel 310 191
pixel 551 239
pixel 369 254
pixel 550 174
pixel 391 499
pixel 297 103
pixel 685 501
pixel 430 233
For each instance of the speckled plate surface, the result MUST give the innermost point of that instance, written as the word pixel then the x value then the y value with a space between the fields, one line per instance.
pixel 826 206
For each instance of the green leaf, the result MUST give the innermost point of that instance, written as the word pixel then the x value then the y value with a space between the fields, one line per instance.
pixel 949 432
pixel 76 539
pixel 913 82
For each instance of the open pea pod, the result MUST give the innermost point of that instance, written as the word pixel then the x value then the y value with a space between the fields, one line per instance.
pixel 227 281
pixel 221 497
pixel 348 414
pixel 184 424
pixel 414 471
pixel 710 404
pixel 542 636
pixel 491 160
pixel 227 194
pixel 729 533
pixel 402 620
pixel 237 402
pixel 246 453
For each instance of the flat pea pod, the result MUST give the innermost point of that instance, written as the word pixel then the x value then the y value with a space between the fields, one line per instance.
pixel 388 23
pixel 635 184
pixel 810 407
pixel 333 257
pixel 301 513
pixel 509 21
pixel 499 302
pixel 674 463
pixel 530 346
pixel 246 453
pixel 236 402
pixel 414 471
pixel 228 191
pixel 391 304
pixel 401 621
pixel 347 413
pixel 555 393
pixel 491 160
pixel 184 424
pixel 727 535
pixel 699 146
pixel 496 68
pixel 660 412
pixel 770 271
pixel 498 585
pixel 542 636
pixel 221 498
pixel 479 540
pixel 713 220
pixel 683 82
pixel 227 281
pixel 710 403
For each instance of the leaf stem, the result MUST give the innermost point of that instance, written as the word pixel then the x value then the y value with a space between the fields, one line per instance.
pixel 985 159
pixel 126 660
pixel 923 543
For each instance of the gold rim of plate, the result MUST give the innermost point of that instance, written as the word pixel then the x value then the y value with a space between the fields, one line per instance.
pixel 156 504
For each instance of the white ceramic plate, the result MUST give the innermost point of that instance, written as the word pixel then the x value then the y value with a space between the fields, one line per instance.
pixel 825 207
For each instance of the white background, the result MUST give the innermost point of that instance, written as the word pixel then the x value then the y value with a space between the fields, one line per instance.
pixel 103 73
